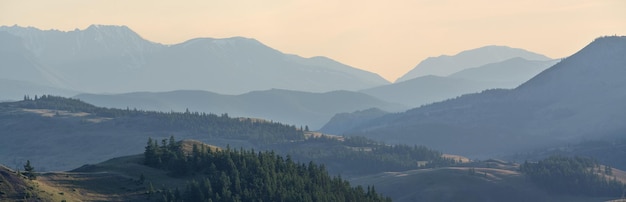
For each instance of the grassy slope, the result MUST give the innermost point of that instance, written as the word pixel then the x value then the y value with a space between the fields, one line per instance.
pixel 114 180
pixel 19 188
pixel 493 182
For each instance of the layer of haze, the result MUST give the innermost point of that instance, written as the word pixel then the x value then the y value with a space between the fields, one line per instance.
pixel 386 37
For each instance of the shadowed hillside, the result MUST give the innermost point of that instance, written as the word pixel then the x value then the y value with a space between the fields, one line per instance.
pixel 582 97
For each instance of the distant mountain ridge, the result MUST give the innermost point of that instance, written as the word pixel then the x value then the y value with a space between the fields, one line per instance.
pixel 445 65
pixel 285 106
pixel 581 97
pixel 14 90
pixel 115 59
pixel 424 90
pixel 511 72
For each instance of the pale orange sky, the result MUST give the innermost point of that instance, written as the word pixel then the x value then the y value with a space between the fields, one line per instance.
pixel 385 37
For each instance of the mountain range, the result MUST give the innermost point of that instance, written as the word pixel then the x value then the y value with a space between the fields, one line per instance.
pixel 581 97
pixel 103 59
pixel 114 59
pixel 445 65
pixel 427 89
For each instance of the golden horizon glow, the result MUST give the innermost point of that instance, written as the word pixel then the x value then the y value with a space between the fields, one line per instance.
pixel 385 37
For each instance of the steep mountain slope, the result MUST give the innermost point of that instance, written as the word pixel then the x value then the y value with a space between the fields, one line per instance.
pixel 582 97
pixel 115 59
pixel 445 65
pixel 291 107
pixel 423 90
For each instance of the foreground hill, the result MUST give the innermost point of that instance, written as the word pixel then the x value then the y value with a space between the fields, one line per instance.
pixel 114 59
pixel 582 97
pixel 290 107
pixel 427 89
pixel 232 176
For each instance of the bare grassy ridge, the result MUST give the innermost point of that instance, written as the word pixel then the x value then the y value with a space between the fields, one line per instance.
pixel 117 179
pixel 14 187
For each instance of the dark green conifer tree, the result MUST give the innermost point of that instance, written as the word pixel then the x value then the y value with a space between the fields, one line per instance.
pixel 29 170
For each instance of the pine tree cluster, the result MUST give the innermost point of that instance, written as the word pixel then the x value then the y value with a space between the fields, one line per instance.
pixel 577 176
pixel 358 155
pixel 241 175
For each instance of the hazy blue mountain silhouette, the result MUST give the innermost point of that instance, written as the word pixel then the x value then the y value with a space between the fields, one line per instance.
pixel 445 65
pixel 510 73
pixel 13 90
pixel 424 90
pixel 285 106
pixel 581 97
pixel 18 62
pixel 343 121
pixel 115 59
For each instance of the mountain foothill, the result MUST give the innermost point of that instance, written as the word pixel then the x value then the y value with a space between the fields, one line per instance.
pixel 493 123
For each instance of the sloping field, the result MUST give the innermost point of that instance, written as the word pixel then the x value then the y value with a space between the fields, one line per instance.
pixel 461 184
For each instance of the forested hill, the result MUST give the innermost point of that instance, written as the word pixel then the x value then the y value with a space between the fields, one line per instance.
pixel 58 127
pixel 576 176
pixel 207 124
pixel 245 175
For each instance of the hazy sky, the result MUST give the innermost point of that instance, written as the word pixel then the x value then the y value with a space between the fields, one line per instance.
pixel 386 37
